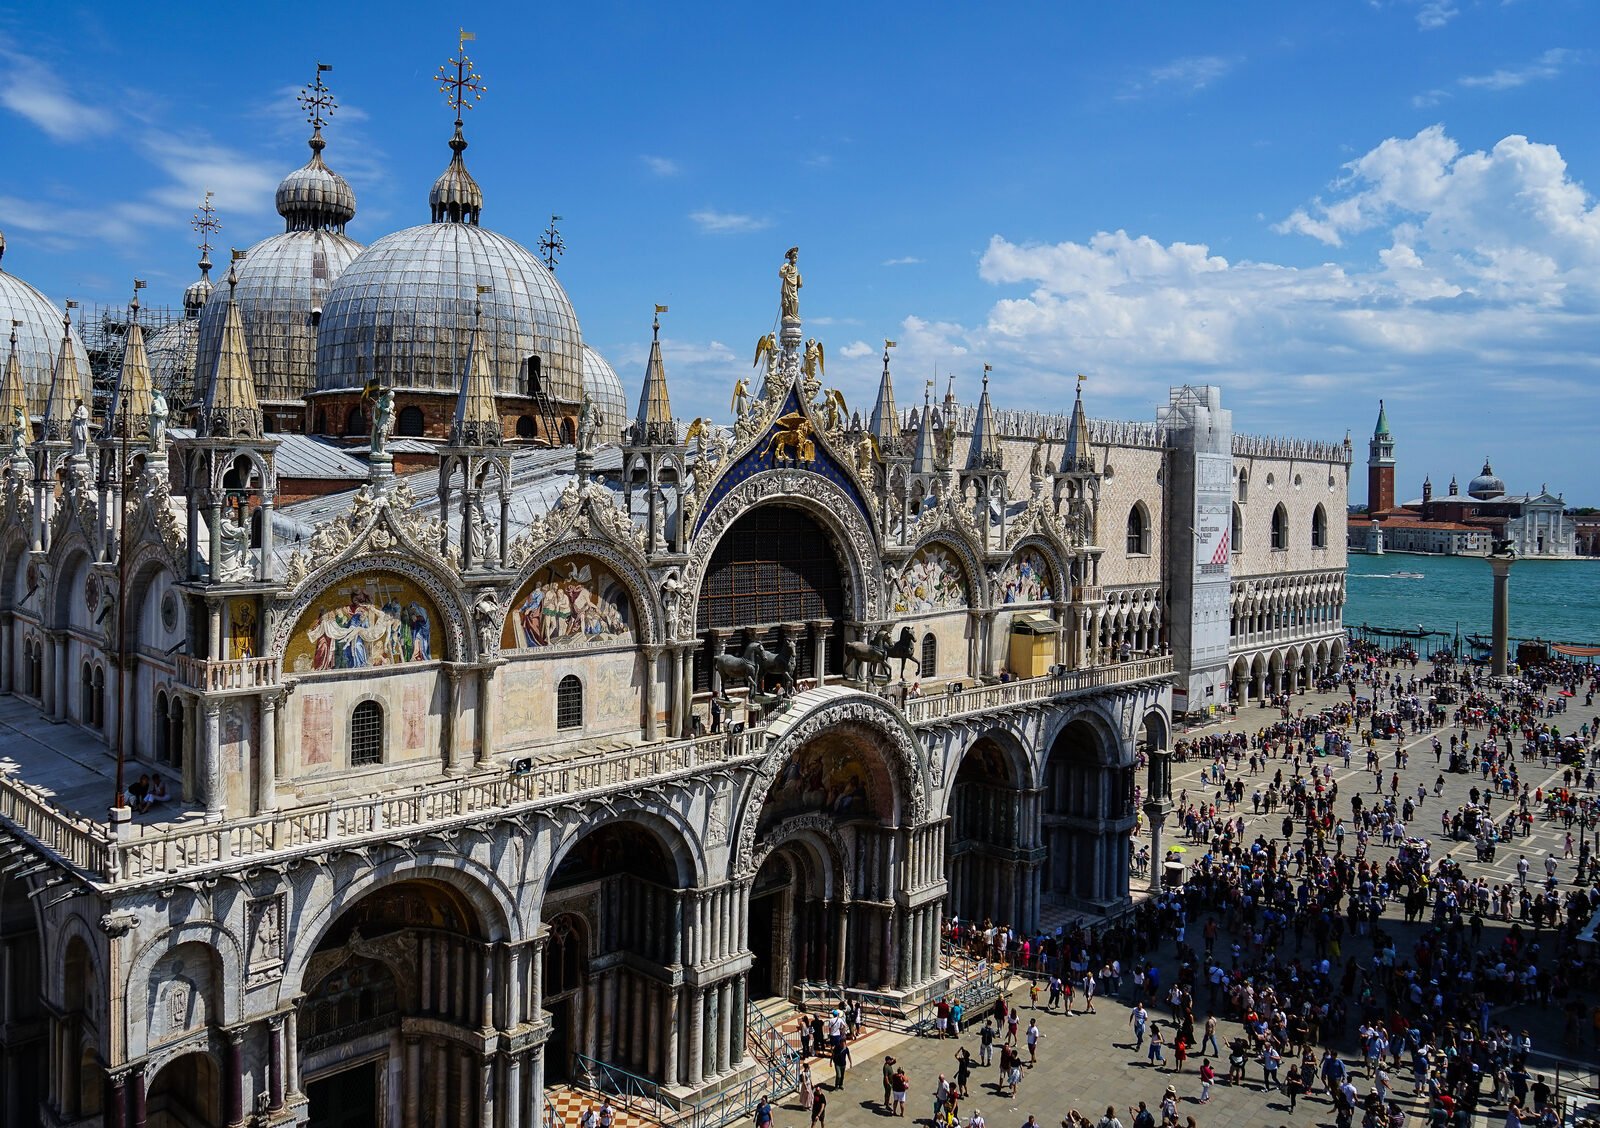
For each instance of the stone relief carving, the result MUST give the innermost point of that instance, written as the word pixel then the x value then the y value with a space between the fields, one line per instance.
pixel 717 817
pixel 376 522
pixel 819 824
pixel 264 917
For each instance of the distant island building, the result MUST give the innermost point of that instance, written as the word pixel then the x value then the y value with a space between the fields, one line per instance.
pixel 1457 524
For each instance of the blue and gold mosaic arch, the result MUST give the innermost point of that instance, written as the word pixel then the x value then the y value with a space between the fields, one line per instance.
pixel 774 450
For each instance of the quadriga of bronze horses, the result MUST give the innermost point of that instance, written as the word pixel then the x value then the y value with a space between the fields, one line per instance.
pixel 876 653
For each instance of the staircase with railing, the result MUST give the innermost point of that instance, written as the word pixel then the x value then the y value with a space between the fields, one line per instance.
pixel 764 1040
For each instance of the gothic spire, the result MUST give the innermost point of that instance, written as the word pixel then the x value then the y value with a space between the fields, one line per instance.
pixel 1078 456
pixel 129 416
pixel 984 454
pixel 14 393
pixel 654 423
pixel 477 421
pixel 65 389
pixel 924 459
pixel 1381 431
pixel 885 421
pixel 231 410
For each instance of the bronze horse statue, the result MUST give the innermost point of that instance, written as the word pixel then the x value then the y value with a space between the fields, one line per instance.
pixel 876 653
pixel 756 665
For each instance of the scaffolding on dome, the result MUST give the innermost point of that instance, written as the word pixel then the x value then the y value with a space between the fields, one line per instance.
pixel 104 329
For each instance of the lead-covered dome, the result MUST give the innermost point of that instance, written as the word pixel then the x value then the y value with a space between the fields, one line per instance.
pixel 602 385
pixel 284 280
pixel 1486 486
pixel 38 338
pixel 174 348
pixel 402 313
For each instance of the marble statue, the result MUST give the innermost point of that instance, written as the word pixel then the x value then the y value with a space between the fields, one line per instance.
pixel 78 431
pixel 789 279
pixel 741 398
pixel 589 420
pixel 479 535
pixel 19 433
pixel 235 564
pixel 158 422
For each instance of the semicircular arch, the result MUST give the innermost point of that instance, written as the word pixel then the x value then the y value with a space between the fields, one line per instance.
pixel 625 574
pixel 364 579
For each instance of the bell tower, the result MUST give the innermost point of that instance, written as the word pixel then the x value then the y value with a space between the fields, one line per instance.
pixel 1380 466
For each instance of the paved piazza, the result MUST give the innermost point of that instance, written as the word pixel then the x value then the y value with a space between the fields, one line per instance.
pixel 1087 1061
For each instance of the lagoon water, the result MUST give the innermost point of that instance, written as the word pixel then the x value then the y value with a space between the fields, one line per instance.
pixel 1551 599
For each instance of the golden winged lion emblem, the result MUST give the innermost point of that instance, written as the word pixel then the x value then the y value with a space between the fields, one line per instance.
pixel 791 432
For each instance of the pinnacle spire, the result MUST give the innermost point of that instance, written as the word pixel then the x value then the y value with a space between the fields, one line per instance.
pixel 65 389
pixel 14 394
pixel 231 409
pixel 129 416
pixel 1381 431
pixel 984 454
pixel 477 421
pixel 924 458
pixel 1078 455
pixel 654 423
pixel 885 421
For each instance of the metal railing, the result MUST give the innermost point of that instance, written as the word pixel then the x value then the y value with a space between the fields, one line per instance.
pixel 1004 695
pixel 636 1094
pixel 771 1048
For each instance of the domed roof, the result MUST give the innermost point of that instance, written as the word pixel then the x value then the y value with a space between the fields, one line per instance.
pixel 455 196
pixel 1486 486
pixel 172 350
pixel 402 312
pixel 314 196
pixel 38 338
pixel 601 384
pixel 196 294
pixel 282 280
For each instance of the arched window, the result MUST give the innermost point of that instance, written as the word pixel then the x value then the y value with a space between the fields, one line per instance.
pixel 525 427
pixel 175 733
pixel 569 703
pixel 1280 528
pixel 1319 528
pixel 1138 531
pixel 366 734
pixel 1244 484
pixel 355 422
pixel 322 422
pixel 86 695
pixel 162 731
pixel 535 385
pixel 1238 528
pixel 99 699
pixel 410 421
pixel 566 432
pixel 930 655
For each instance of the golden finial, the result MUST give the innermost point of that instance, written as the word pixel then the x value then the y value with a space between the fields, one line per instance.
pixel 465 87
pixel 317 99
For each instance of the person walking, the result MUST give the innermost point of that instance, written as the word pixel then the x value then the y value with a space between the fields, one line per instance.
pixel 986 1040
pixel 1090 986
pixel 1137 1020
pixel 841 1062
pixel 819 1108
pixel 1210 1038
pixel 1154 1055
pixel 888 1082
pixel 1033 1036
pixel 764 1113
pixel 900 1085
pixel 1207 1076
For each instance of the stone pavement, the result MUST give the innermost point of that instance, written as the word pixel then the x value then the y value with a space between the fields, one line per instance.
pixel 1087 1061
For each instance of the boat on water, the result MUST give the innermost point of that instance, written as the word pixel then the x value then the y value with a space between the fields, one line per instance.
pixel 1408 576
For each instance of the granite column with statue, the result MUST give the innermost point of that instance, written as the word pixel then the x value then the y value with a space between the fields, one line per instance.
pixel 1501 561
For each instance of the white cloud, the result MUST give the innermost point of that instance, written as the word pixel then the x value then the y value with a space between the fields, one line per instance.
pixel 1429 98
pixel 195 164
pixel 904 260
pixel 1186 75
pixel 662 166
pixel 36 93
pixel 1434 14
pixel 1548 65
pixel 1472 269
pixel 857 349
pixel 713 222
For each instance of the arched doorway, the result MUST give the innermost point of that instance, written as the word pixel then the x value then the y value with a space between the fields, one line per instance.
pixel 775 571
pixel 185 1093
pixel 791 923
pixel 1087 816
pixel 993 831
pixel 617 909
pixel 397 994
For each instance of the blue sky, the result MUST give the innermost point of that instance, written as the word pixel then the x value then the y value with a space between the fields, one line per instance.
pixel 1311 205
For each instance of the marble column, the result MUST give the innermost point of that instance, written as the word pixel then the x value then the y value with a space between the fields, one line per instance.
pixel 697 1025
pixel 454 756
pixel 267 755
pixel 738 1020
pixel 117 1100
pixel 213 792
pixel 651 668
pixel 233 1076
pixel 275 1063
pixel 485 715
pixel 136 1097
pixel 724 1026
pixel 411 1104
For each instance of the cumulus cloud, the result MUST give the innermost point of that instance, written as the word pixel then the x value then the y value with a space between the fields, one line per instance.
pixel 662 166
pixel 713 222
pixel 1434 14
pixel 857 349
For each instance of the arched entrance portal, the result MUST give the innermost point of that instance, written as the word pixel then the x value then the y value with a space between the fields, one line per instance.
pixel 615 907
pixel 1088 814
pixel 775 572
pixel 397 994
pixel 992 856
pixel 822 912
pixel 186 1093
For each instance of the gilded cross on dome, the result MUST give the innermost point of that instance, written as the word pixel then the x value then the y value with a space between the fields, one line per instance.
pixel 465 87
pixel 205 222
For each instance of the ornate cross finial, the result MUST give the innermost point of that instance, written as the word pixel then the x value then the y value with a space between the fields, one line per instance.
pixel 317 99
pixel 552 245
pixel 465 87
pixel 205 221
pixel 138 284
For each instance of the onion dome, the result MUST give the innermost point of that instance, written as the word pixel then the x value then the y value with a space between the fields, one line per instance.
pixel 37 325
pixel 602 385
pixel 284 280
pixel 455 196
pixel 1486 486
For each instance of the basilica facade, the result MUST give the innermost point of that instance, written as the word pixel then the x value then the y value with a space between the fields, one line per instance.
pixel 510 735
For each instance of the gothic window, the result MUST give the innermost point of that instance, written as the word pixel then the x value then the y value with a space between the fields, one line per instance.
pixel 930 655
pixel 1319 528
pixel 1244 485
pixel 409 422
pixel 1138 531
pixel 569 703
pixel 1238 528
pixel 1280 528
pixel 366 734
pixel 564 957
